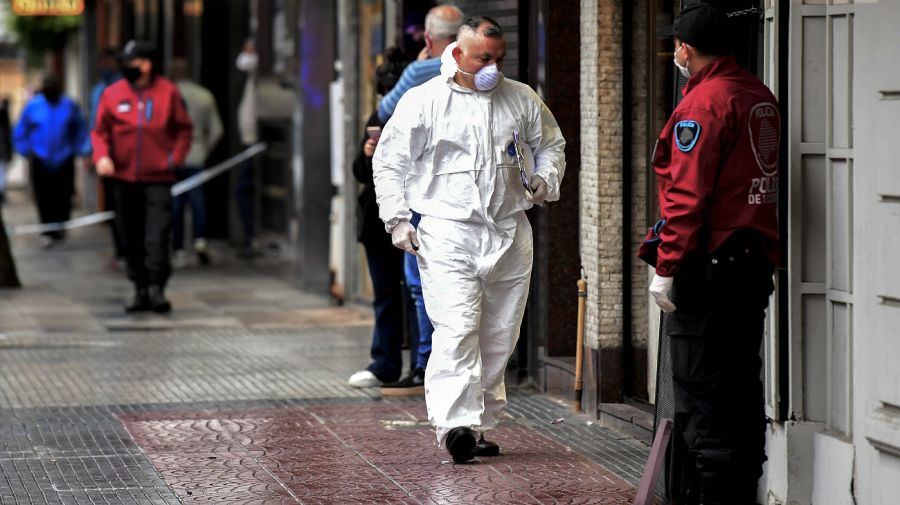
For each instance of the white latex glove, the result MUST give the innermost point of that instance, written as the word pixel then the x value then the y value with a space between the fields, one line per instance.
pixel 539 190
pixel 403 236
pixel 661 289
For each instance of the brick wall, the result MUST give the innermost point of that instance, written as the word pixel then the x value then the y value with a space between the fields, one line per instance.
pixel 593 151
pixel 602 189
pixel 601 186
pixel 642 141
pixel 590 161
pixel 588 186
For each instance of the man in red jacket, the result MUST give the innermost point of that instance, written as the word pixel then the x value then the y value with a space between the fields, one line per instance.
pixel 141 134
pixel 716 163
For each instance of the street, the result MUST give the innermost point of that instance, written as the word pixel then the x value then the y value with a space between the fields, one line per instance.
pixel 240 396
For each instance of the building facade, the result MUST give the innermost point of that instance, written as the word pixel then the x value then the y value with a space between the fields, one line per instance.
pixel 831 387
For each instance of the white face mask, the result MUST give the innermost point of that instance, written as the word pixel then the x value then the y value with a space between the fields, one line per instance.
pixel 247 62
pixel 683 69
pixel 487 78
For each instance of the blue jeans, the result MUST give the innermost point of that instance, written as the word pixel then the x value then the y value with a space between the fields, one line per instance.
pixel 198 209
pixel 386 271
pixel 411 271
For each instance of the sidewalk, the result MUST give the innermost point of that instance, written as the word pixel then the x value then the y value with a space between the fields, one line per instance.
pixel 240 396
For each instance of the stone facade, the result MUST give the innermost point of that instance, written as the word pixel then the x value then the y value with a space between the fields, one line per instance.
pixel 601 186
pixel 643 139
pixel 602 189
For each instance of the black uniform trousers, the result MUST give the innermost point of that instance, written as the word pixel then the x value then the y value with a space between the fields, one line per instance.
pixel 716 332
pixel 53 189
pixel 144 221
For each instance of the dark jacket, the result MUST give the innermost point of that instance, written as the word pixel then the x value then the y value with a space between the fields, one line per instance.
pixel 370 228
pixel 5 133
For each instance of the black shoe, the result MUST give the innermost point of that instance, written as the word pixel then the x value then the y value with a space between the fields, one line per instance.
pixel 414 385
pixel 141 301
pixel 461 444
pixel 157 299
pixel 485 448
pixel 202 254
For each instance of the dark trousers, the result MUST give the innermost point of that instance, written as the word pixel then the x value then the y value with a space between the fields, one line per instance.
pixel 144 220
pixel 386 271
pixel 716 332
pixel 245 194
pixel 110 204
pixel 53 189
pixel 193 197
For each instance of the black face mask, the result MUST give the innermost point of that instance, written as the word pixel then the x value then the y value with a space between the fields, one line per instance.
pixel 51 94
pixel 131 74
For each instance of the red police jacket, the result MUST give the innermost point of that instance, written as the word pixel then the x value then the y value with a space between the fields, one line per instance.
pixel 146 132
pixel 716 163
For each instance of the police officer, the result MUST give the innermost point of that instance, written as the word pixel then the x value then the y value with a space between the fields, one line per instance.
pixel 716 163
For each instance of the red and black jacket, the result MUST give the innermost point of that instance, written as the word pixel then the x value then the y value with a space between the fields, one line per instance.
pixel 716 163
pixel 145 131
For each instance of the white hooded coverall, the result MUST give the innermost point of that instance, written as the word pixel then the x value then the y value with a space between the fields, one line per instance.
pixel 444 153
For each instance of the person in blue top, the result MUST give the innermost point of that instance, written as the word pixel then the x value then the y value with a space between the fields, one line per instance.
pixel 108 68
pixel 441 26
pixel 51 131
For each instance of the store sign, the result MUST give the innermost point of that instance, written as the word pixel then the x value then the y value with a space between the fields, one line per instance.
pixel 48 7
pixel 193 8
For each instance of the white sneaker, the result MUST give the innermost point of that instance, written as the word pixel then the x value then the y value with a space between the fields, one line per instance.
pixel 364 379
pixel 179 259
pixel 200 250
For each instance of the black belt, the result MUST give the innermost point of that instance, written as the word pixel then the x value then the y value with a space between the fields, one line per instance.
pixel 741 246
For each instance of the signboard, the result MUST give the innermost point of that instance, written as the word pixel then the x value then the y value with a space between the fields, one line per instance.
pixel 48 7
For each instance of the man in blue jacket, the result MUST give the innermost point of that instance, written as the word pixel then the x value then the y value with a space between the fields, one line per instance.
pixel 50 133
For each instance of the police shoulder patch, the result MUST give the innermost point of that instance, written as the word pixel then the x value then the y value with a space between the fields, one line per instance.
pixel 686 134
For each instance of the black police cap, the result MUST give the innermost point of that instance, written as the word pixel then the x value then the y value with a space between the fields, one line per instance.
pixel 138 49
pixel 703 26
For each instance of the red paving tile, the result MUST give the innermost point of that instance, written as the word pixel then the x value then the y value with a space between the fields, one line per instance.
pixel 358 453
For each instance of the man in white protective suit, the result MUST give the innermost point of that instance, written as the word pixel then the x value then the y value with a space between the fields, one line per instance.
pixel 450 153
